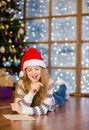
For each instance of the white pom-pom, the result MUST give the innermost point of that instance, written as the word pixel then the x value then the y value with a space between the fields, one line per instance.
pixel 21 74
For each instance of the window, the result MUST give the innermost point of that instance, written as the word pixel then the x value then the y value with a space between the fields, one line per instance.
pixel 60 31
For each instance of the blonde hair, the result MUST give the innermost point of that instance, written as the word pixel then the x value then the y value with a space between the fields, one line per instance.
pixel 45 80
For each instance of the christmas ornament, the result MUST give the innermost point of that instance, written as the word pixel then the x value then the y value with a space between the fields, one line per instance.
pixel 2 49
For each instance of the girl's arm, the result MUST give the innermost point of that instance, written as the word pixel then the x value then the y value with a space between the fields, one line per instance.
pixel 37 110
pixel 21 96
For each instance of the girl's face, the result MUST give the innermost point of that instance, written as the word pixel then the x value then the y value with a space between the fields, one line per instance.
pixel 33 73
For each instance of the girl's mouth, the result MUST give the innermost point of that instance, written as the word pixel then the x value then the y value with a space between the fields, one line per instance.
pixel 35 77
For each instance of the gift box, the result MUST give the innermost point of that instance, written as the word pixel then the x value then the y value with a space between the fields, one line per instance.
pixel 6 85
pixel 5 92
pixel 6 81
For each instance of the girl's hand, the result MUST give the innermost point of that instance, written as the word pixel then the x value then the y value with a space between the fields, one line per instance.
pixel 35 87
pixel 16 107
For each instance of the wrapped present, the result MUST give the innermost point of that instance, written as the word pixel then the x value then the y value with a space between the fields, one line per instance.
pixel 6 81
pixel 6 84
pixel 5 92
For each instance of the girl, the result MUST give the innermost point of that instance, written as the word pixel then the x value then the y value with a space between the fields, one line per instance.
pixel 34 91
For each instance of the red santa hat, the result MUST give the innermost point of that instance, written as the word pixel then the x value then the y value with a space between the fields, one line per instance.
pixel 30 58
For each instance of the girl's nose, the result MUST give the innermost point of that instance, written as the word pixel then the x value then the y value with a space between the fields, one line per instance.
pixel 33 71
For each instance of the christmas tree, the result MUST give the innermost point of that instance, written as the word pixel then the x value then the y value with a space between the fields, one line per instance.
pixel 12 36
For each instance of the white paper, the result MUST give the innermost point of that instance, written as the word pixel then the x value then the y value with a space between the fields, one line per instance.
pixel 18 117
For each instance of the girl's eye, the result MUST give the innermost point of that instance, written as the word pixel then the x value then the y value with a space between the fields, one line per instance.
pixel 36 68
pixel 29 69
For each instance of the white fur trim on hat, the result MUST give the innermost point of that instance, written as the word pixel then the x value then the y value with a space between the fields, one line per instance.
pixel 33 62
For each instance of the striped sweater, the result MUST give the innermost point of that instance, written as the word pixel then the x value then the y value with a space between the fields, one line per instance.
pixel 25 100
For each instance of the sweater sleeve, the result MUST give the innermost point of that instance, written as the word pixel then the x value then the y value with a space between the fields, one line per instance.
pixel 42 108
pixel 21 97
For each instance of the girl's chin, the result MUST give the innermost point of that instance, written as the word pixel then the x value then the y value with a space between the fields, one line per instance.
pixel 34 80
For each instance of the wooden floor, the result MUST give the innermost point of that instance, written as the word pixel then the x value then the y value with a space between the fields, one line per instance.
pixel 74 115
